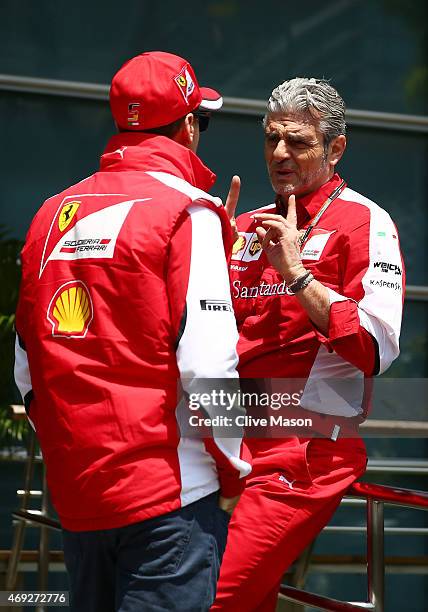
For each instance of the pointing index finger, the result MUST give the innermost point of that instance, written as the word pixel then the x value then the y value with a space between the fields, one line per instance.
pixel 233 196
pixel 291 212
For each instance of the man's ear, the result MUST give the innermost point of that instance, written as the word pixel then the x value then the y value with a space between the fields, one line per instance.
pixel 190 121
pixel 337 148
pixel 186 134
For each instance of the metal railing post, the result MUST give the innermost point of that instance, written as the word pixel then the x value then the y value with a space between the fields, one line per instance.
pixel 298 577
pixel 18 540
pixel 44 541
pixel 375 555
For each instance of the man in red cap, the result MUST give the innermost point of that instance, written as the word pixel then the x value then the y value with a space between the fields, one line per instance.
pixel 116 305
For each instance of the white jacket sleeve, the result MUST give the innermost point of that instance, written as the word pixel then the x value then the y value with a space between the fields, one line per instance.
pixel 207 346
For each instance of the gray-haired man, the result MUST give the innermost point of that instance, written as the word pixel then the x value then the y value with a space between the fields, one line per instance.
pixel 317 281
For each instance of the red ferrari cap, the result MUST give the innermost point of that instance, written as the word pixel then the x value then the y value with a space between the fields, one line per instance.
pixel 156 88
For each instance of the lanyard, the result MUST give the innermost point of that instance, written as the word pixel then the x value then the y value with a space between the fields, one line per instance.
pixel 334 194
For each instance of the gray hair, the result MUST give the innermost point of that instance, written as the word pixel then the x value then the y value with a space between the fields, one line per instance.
pixel 312 99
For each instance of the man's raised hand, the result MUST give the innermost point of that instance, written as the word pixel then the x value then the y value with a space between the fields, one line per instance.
pixel 279 238
pixel 232 202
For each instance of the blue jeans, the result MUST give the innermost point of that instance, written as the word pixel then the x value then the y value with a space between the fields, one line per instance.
pixel 170 562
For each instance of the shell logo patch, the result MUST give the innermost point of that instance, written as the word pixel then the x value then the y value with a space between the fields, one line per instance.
pixel 185 83
pixel 238 245
pixel 66 215
pixel 70 311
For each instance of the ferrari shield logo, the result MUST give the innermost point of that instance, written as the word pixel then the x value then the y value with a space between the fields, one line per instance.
pixel 185 83
pixel 66 215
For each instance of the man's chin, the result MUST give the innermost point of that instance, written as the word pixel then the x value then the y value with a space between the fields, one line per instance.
pixel 298 189
pixel 285 189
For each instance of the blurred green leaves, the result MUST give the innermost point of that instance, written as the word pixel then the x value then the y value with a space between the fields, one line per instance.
pixel 11 432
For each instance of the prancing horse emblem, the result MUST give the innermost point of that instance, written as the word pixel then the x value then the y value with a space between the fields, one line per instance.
pixel 66 215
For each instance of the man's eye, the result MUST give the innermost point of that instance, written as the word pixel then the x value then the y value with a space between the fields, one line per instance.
pixel 272 137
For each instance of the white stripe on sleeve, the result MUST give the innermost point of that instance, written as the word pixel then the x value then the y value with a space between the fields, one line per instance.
pixel 22 373
pixel 207 348
pixel 380 310
pixel 21 370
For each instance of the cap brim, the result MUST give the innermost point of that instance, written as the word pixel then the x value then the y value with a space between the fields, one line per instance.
pixel 211 99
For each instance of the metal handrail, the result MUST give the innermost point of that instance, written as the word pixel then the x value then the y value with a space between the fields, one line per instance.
pixel 415 467
pixel 54 87
pixel 233 105
pixel 363 118
pixel 37 519
pixel 417 293
pixel 397 531
pixel 376 496
pixel 394 428
pixel 322 603
pixel 390 495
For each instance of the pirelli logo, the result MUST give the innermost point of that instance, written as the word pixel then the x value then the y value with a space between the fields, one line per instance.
pixel 216 306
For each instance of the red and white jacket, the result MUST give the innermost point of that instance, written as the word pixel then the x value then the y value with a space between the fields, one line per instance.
pixel 354 251
pixel 117 272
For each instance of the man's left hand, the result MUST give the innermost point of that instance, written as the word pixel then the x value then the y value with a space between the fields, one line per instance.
pixel 279 238
pixel 228 504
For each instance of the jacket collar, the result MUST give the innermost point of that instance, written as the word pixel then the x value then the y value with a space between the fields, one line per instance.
pixel 137 151
pixel 308 206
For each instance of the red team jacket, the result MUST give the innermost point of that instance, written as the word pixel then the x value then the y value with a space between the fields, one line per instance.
pixel 354 251
pixel 117 274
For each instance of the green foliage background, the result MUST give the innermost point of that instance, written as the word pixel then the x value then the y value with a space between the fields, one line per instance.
pixel 11 432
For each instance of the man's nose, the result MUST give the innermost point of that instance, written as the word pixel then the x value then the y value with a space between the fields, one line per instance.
pixel 281 150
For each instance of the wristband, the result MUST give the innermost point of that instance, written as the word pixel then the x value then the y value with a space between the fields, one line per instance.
pixel 299 283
